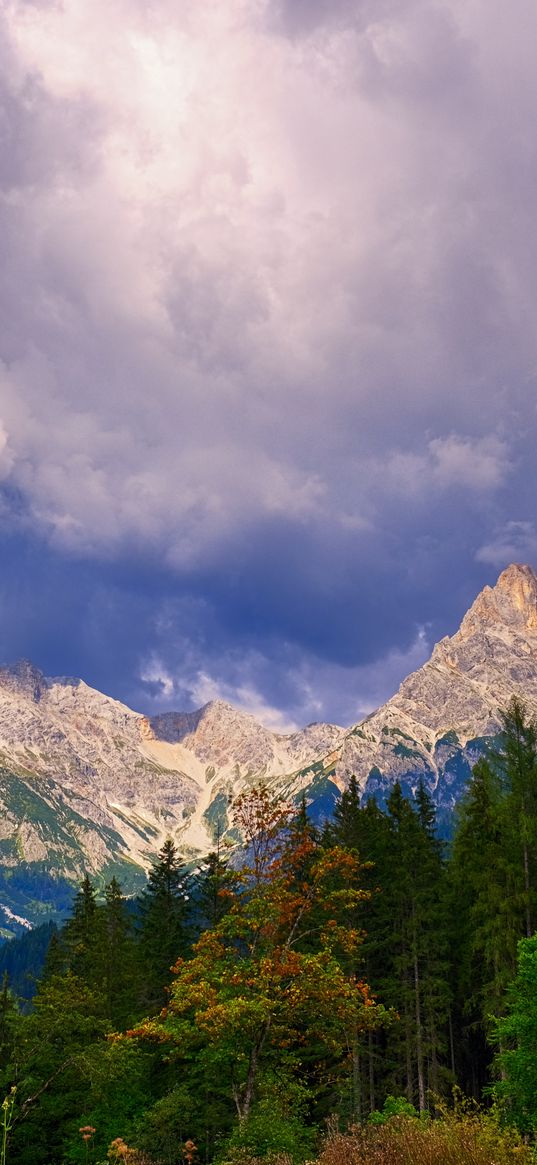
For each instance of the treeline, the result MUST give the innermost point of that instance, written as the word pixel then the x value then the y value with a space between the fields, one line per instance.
pixel 331 971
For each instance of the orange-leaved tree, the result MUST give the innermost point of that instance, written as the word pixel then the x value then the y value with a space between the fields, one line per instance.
pixel 271 979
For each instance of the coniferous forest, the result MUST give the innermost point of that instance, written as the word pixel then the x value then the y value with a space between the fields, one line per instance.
pixel 365 991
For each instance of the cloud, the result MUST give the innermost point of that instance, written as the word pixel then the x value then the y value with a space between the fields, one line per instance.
pixel 514 542
pixel 269 359
pixel 314 691
pixel 476 466
pixel 479 464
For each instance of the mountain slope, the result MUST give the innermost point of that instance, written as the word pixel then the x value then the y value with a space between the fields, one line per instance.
pixel 441 718
pixel 88 784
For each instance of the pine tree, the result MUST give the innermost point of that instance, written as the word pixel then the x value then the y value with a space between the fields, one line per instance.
pixel 483 939
pixel 517 764
pixel 494 881
pixel 121 981
pixel 213 892
pixel 346 823
pixel 414 979
pixel 515 1034
pixel 82 939
pixel 52 1055
pixel 164 912
pixel 363 829
pixel 9 1027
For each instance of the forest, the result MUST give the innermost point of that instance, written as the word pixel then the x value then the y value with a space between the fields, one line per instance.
pixel 360 993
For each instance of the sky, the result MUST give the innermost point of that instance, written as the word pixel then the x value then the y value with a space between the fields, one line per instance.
pixel 268 343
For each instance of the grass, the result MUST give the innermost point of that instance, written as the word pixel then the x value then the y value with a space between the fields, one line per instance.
pixel 469 1139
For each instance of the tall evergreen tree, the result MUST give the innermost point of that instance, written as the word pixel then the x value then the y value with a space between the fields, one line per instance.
pixel 363 831
pixel 515 1034
pixel 82 938
pixel 163 924
pixel 517 763
pixel 494 880
pixel 121 979
pixel 10 1020
pixel 213 892
pixel 414 979
pixel 483 939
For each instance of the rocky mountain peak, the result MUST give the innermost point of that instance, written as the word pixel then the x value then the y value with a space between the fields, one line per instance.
pixel 214 716
pixel 25 678
pixel 511 603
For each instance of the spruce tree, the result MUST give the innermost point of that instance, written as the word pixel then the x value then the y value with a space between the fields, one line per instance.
pixel 121 980
pixel 415 964
pixel 364 831
pixel 213 891
pixel 82 938
pixel 164 912
pixel 494 883
pixel 10 1020
pixel 515 1034
pixel 517 764
pixel 483 943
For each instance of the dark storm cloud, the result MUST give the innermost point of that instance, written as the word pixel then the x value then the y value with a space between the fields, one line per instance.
pixel 267 383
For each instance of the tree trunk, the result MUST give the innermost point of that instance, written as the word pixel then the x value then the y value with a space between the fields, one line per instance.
pixel 527 890
pixel 451 1044
pixel 408 1057
pixel 244 1104
pixel 419 1030
pixel 371 1073
pixel 356 1083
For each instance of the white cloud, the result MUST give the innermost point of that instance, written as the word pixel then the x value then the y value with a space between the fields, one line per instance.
pixel 514 542
pixel 157 676
pixel 478 463
pixel 244 696
pixel 6 455
pixel 314 688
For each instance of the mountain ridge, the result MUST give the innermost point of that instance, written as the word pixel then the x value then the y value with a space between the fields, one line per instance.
pixel 88 784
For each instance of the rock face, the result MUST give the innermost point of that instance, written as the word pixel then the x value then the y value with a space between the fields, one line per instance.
pixel 88 784
pixel 444 714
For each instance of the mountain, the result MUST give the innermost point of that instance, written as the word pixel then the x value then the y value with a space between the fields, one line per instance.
pixel 446 713
pixel 88 784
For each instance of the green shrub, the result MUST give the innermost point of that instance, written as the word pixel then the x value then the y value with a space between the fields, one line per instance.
pixel 275 1127
pixel 393 1106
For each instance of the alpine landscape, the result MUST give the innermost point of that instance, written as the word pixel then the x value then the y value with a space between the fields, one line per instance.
pixel 268 582
pixel 87 785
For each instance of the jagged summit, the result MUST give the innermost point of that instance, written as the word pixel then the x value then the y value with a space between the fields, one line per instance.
pixel 220 735
pixel 23 676
pixel 511 603
pixel 445 713
pixel 176 726
pixel 473 673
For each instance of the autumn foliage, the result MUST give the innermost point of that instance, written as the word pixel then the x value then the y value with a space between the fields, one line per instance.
pixel 277 973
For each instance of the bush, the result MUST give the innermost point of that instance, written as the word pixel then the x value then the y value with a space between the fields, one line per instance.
pixel 267 1135
pixel 393 1106
pixel 402 1140
pixel 275 1128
